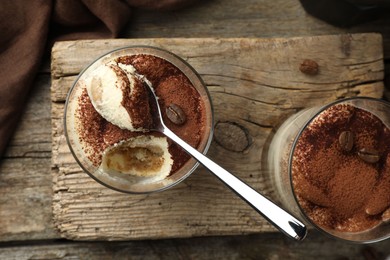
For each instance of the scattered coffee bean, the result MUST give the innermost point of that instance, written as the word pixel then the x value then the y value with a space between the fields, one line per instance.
pixel 176 114
pixel 346 141
pixel 309 67
pixel 369 155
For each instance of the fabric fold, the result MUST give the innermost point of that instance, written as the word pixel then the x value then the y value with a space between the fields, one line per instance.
pixel 20 55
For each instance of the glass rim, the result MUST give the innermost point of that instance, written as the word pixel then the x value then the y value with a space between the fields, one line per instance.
pixel 173 58
pixel 290 159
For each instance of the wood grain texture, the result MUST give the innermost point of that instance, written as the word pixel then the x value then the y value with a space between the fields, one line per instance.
pixel 26 183
pixel 25 190
pixel 250 18
pixel 271 246
pixel 254 84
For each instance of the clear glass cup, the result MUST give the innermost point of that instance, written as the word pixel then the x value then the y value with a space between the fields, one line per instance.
pixel 122 182
pixel 280 157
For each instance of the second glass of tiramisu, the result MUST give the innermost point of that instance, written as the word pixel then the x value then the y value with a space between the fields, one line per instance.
pixel 331 165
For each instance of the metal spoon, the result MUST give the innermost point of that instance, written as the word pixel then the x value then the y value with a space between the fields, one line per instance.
pixel 281 219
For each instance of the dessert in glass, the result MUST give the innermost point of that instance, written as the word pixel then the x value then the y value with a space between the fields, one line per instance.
pixel 108 120
pixel 331 165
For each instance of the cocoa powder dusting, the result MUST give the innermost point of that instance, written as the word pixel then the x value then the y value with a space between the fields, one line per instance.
pixel 136 101
pixel 335 187
pixel 189 101
pixel 90 128
pixel 96 133
pixel 171 86
pixel 154 68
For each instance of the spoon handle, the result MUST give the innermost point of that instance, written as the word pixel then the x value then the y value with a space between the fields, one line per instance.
pixel 281 219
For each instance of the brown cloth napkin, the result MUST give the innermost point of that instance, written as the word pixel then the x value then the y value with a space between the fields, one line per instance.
pixel 28 28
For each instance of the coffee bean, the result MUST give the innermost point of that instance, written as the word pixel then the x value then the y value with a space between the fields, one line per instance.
pixel 176 114
pixel 309 67
pixel 346 141
pixel 369 155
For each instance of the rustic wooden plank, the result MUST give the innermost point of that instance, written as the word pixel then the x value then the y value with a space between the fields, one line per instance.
pixel 243 76
pixel 26 197
pixel 250 18
pixel 264 246
pixel 25 180
pixel 31 136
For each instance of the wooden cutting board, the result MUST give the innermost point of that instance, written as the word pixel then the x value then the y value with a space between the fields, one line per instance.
pixel 254 84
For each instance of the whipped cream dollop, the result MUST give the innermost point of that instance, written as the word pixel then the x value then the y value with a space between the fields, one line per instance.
pixel 119 95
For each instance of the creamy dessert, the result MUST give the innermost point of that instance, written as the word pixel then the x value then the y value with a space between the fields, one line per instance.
pixel 119 96
pixel 114 120
pixel 340 169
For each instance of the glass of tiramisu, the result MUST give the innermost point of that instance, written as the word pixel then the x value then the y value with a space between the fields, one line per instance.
pixel 331 165
pixel 109 123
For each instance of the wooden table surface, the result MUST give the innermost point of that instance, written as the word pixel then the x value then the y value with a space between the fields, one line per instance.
pixel 26 229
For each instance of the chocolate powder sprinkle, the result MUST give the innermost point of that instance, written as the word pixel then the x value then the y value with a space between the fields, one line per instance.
pixel 336 189
pixel 171 86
